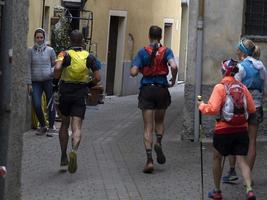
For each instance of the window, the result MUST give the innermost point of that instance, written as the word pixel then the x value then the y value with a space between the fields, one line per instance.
pixel 256 17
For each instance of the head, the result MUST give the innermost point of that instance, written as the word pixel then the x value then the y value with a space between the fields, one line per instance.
pixel 246 48
pixel 76 38
pixel 155 33
pixel 39 36
pixel 229 67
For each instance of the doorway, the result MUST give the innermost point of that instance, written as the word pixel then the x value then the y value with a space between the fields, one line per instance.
pixel 115 52
pixel 183 43
pixel 168 34
pixel 112 51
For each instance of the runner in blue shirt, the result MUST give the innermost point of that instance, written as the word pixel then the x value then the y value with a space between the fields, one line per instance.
pixel 152 62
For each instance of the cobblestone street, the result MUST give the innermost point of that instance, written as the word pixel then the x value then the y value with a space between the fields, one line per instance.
pixel 111 158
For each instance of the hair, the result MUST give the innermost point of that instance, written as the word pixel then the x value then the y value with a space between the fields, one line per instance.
pixel 76 38
pixel 257 53
pixel 155 33
pixel 39 30
pixel 250 45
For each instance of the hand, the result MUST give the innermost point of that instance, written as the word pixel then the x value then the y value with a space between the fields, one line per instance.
pixel 172 82
pixel 199 102
pixel 29 89
pixel 91 84
pixel 2 171
pixel 55 85
pixel 56 98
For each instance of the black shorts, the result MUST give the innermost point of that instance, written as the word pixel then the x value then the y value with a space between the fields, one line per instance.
pixel 231 144
pixel 154 97
pixel 257 117
pixel 72 100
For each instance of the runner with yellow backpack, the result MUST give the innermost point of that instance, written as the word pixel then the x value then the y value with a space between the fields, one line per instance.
pixel 75 71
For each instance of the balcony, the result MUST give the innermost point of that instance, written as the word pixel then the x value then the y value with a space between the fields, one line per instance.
pixel 74 3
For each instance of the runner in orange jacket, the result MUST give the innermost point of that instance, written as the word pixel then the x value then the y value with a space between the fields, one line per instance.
pixel 228 139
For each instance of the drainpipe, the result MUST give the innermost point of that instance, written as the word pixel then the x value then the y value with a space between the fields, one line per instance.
pixel 198 68
pixel 43 13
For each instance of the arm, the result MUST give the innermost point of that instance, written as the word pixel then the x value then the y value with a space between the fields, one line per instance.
pixel 53 61
pixel 29 76
pixel 95 65
pixel 215 102
pixel 264 76
pixel 134 71
pixel 53 57
pixel 174 71
pixel 241 73
pixel 58 69
pixel 171 62
pixel 250 103
pixel 136 64
pixel 59 64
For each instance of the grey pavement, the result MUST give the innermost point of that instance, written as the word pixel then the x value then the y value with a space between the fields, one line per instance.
pixel 111 158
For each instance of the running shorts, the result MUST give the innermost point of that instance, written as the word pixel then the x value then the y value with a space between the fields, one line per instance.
pixel 231 144
pixel 154 97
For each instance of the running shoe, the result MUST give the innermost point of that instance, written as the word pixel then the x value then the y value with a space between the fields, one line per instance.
pixel 231 177
pixel 161 159
pixel 51 132
pixel 41 131
pixel 149 167
pixel 64 162
pixel 72 167
pixel 216 195
pixel 251 196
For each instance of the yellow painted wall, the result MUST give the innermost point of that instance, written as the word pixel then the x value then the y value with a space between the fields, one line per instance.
pixel 35 16
pixel 140 16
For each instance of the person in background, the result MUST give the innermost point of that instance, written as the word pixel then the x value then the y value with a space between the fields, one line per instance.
pixel 252 74
pixel 41 59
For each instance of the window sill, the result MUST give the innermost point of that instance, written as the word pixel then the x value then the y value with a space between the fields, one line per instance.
pixel 256 38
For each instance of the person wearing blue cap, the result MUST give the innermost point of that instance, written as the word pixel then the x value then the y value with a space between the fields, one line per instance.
pixel 252 73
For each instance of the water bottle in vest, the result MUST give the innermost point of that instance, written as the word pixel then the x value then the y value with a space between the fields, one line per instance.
pixel 234 110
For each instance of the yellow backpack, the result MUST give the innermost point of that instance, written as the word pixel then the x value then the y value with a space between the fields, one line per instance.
pixel 77 71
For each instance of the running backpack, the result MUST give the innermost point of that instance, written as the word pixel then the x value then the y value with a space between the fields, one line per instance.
pixel 159 67
pixel 77 71
pixel 234 110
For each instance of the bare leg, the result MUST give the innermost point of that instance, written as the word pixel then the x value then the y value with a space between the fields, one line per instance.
pixel 232 161
pixel 216 168
pixel 63 134
pixel 76 125
pixel 148 117
pixel 159 123
pixel 252 133
pixel 159 129
pixel 245 170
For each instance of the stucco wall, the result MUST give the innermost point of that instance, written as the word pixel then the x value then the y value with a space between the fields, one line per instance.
pixel 140 16
pixel 13 93
pixel 35 16
pixel 223 24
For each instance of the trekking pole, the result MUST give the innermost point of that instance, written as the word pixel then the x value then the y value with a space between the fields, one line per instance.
pixel 223 163
pixel 201 151
pixel 51 102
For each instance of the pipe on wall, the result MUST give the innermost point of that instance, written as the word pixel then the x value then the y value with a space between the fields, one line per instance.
pixel 198 68
pixel 43 13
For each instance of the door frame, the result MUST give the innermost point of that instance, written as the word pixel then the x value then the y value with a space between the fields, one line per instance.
pixel 118 81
